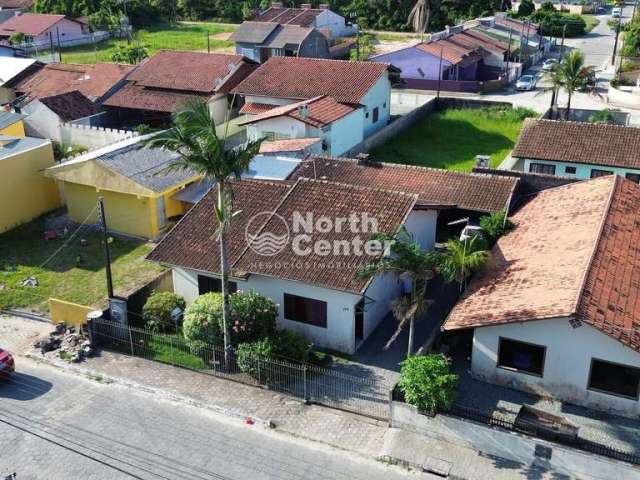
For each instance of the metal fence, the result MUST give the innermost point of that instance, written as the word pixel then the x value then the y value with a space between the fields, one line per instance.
pixel 311 383
pixel 488 418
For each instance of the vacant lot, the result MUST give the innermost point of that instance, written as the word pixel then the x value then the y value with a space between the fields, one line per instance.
pixel 72 272
pixel 179 36
pixel 451 139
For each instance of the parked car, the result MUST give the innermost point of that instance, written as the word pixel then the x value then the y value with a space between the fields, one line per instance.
pixel 616 12
pixel 526 82
pixel 549 64
pixel 7 364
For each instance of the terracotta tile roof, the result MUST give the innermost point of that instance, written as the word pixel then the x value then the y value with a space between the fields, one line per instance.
pixel 577 142
pixel 322 111
pixel 16 4
pixel 518 25
pixel 304 78
pixel 574 253
pixel 32 24
pixel 252 108
pixel 303 17
pixel 192 71
pixel 93 81
pixel 191 244
pixel 332 200
pixel 289 145
pixel 140 98
pixel 481 193
pixel 452 52
pixel 70 106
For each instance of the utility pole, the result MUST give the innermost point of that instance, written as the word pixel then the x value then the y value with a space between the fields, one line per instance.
pixel 208 42
pixel 439 73
pixel 564 31
pixel 59 44
pixel 615 44
pixel 107 253
pixel 508 54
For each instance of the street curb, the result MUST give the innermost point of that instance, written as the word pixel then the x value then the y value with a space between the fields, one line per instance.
pixel 157 392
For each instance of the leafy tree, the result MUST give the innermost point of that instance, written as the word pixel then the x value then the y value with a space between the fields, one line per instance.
pixel 16 38
pixel 462 258
pixel 427 383
pixel 408 260
pixel 131 54
pixel 572 75
pixel 193 137
pixel 526 8
pixel 365 48
pixel 201 326
pixel 157 310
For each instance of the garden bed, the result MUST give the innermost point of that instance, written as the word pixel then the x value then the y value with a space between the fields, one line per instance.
pixel 452 138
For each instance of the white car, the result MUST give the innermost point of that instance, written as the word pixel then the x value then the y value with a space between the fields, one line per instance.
pixel 616 12
pixel 549 64
pixel 526 82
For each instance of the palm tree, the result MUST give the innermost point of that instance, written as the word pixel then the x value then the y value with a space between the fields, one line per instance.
pixel 193 137
pixel 462 258
pixel 406 259
pixel 572 75
pixel 420 15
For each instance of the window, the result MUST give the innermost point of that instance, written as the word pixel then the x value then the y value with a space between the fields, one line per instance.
pixel 521 356
pixel 571 170
pixel 271 136
pixel 634 177
pixel 595 173
pixel 211 284
pixel 614 378
pixel 305 310
pixel 376 114
pixel 542 168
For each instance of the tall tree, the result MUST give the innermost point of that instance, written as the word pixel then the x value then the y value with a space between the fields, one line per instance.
pixel 193 137
pixel 407 259
pixel 572 75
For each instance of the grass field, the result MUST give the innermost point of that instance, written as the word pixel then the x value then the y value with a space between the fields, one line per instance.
pixel 451 139
pixel 179 36
pixel 591 22
pixel 23 250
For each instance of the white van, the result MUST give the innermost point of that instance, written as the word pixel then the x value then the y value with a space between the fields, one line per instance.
pixel 616 12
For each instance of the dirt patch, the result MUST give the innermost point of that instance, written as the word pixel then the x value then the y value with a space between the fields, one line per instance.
pixel 221 36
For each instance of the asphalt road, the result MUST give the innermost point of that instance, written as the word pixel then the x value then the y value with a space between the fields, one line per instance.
pixel 59 426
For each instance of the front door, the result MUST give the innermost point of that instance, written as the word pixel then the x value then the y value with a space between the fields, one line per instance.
pixel 359 320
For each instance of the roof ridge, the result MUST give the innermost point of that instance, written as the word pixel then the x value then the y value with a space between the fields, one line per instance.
pixel 408 167
pixel 584 124
pixel 356 187
pixel 599 238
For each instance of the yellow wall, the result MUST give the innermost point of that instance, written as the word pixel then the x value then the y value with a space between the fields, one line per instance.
pixel 67 312
pixel 14 130
pixel 125 213
pixel 25 193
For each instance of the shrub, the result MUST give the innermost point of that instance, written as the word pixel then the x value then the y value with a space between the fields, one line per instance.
pixel 291 345
pixel 156 312
pixel 427 383
pixel 248 354
pixel 603 116
pixel 494 226
pixel 202 319
pixel 253 317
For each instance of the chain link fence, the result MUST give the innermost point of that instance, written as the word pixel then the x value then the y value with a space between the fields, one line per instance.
pixel 309 382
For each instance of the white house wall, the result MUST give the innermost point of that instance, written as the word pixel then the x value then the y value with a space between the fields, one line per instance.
pixel 422 224
pixel 218 105
pixel 378 96
pixel 346 132
pixel 329 20
pixel 288 127
pixel 41 122
pixel 340 332
pixel 567 362
pixel 583 171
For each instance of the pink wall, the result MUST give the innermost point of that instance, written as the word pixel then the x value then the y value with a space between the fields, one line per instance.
pixel 68 30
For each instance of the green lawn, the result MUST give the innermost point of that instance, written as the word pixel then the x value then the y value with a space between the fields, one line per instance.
pixel 179 36
pixel 23 250
pixel 451 139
